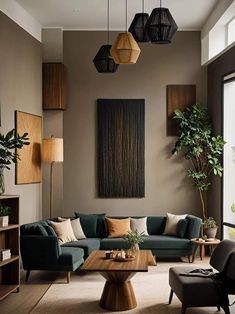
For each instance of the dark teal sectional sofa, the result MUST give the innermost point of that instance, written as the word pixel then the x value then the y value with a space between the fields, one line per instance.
pixel 40 249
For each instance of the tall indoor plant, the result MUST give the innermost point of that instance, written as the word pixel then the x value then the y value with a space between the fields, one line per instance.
pixel 200 147
pixel 8 155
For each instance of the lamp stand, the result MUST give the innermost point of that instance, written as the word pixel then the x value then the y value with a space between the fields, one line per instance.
pixel 51 188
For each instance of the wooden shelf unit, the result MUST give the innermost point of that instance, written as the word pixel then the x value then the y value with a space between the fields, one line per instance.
pixel 9 239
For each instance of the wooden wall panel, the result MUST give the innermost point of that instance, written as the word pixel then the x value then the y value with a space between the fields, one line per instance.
pixel 178 97
pixel 54 89
pixel 121 129
pixel 28 168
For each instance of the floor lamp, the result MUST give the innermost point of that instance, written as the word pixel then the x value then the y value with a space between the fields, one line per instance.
pixel 52 152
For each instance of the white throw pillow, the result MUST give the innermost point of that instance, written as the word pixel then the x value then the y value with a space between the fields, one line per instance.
pixel 77 228
pixel 171 223
pixel 64 231
pixel 139 224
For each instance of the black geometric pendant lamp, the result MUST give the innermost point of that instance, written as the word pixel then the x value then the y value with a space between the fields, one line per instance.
pixel 161 26
pixel 103 60
pixel 137 27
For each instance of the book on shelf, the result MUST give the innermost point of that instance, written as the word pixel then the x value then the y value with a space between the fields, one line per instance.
pixel 5 254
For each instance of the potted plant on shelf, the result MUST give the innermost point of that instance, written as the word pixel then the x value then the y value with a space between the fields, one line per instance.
pixel 4 215
pixel 200 147
pixel 8 155
pixel 134 238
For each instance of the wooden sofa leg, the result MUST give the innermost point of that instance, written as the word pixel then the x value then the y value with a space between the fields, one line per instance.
pixel 27 275
pixel 68 277
pixel 218 308
pixel 171 296
pixel 189 258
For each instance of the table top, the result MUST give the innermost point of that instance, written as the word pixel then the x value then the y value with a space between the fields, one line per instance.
pixel 205 242
pixel 97 261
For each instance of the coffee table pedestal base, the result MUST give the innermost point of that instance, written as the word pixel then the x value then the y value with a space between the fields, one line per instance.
pixel 118 293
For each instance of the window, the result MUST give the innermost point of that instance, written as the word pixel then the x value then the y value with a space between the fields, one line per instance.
pixel 229 158
pixel 231 31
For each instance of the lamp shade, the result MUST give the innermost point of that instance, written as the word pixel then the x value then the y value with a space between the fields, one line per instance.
pixel 52 149
pixel 103 60
pixel 137 27
pixel 161 26
pixel 125 49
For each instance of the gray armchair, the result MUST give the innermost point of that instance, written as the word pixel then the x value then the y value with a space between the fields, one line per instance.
pixel 207 291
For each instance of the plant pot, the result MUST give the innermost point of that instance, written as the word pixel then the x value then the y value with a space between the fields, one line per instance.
pixel 210 232
pixel 134 249
pixel 4 221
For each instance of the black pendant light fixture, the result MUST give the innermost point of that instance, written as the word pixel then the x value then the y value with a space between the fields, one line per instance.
pixel 103 60
pixel 161 26
pixel 137 27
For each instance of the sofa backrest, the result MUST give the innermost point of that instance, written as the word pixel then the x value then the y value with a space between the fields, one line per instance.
pixel 155 225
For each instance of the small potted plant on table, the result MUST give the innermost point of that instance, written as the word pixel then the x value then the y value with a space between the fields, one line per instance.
pixel 134 238
pixel 4 216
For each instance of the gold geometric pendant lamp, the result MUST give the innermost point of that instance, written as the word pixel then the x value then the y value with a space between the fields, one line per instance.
pixel 125 49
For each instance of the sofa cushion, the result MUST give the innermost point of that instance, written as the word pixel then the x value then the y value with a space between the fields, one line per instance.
pixel 50 231
pixel 156 225
pixel 165 242
pixel 40 230
pixel 139 224
pixel 89 224
pixel 30 229
pixel 181 228
pixel 171 223
pixel 101 228
pixel 88 245
pixel 118 227
pixel 70 255
pixel 64 231
pixel 114 243
pixel 150 243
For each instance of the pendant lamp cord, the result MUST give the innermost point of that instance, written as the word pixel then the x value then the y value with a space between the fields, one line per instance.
pixel 142 6
pixel 160 3
pixel 126 16
pixel 108 22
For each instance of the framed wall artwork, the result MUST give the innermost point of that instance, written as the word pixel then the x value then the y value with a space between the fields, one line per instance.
pixel 28 167
pixel 178 97
pixel 120 148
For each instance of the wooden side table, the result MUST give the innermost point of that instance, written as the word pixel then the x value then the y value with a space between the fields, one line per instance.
pixel 199 243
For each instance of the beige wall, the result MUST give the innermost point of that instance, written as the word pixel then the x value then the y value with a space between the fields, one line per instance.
pixel 20 89
pixel 52 51
pixel 166 187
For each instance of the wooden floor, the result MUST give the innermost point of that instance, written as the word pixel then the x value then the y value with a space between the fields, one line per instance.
pixel 30 293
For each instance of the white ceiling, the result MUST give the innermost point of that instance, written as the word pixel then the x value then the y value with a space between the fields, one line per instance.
pixel 92 14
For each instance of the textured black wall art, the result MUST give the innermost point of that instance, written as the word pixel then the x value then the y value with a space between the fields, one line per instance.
pixel 121 148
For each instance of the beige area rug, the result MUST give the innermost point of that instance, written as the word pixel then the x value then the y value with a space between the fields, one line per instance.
pixel 82 295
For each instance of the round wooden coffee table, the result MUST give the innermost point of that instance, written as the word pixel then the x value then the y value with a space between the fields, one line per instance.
pixel 199 243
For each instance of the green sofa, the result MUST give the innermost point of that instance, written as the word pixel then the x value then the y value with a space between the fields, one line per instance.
pixel 40 249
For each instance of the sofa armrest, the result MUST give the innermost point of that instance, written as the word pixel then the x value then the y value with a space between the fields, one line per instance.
pixel 39 251
pixel 194 227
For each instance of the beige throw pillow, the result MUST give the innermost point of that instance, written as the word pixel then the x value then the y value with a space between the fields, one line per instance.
pixel 64 231
pixel 171 223
pixel 139 224
pixel 118 227
pixel 77 228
